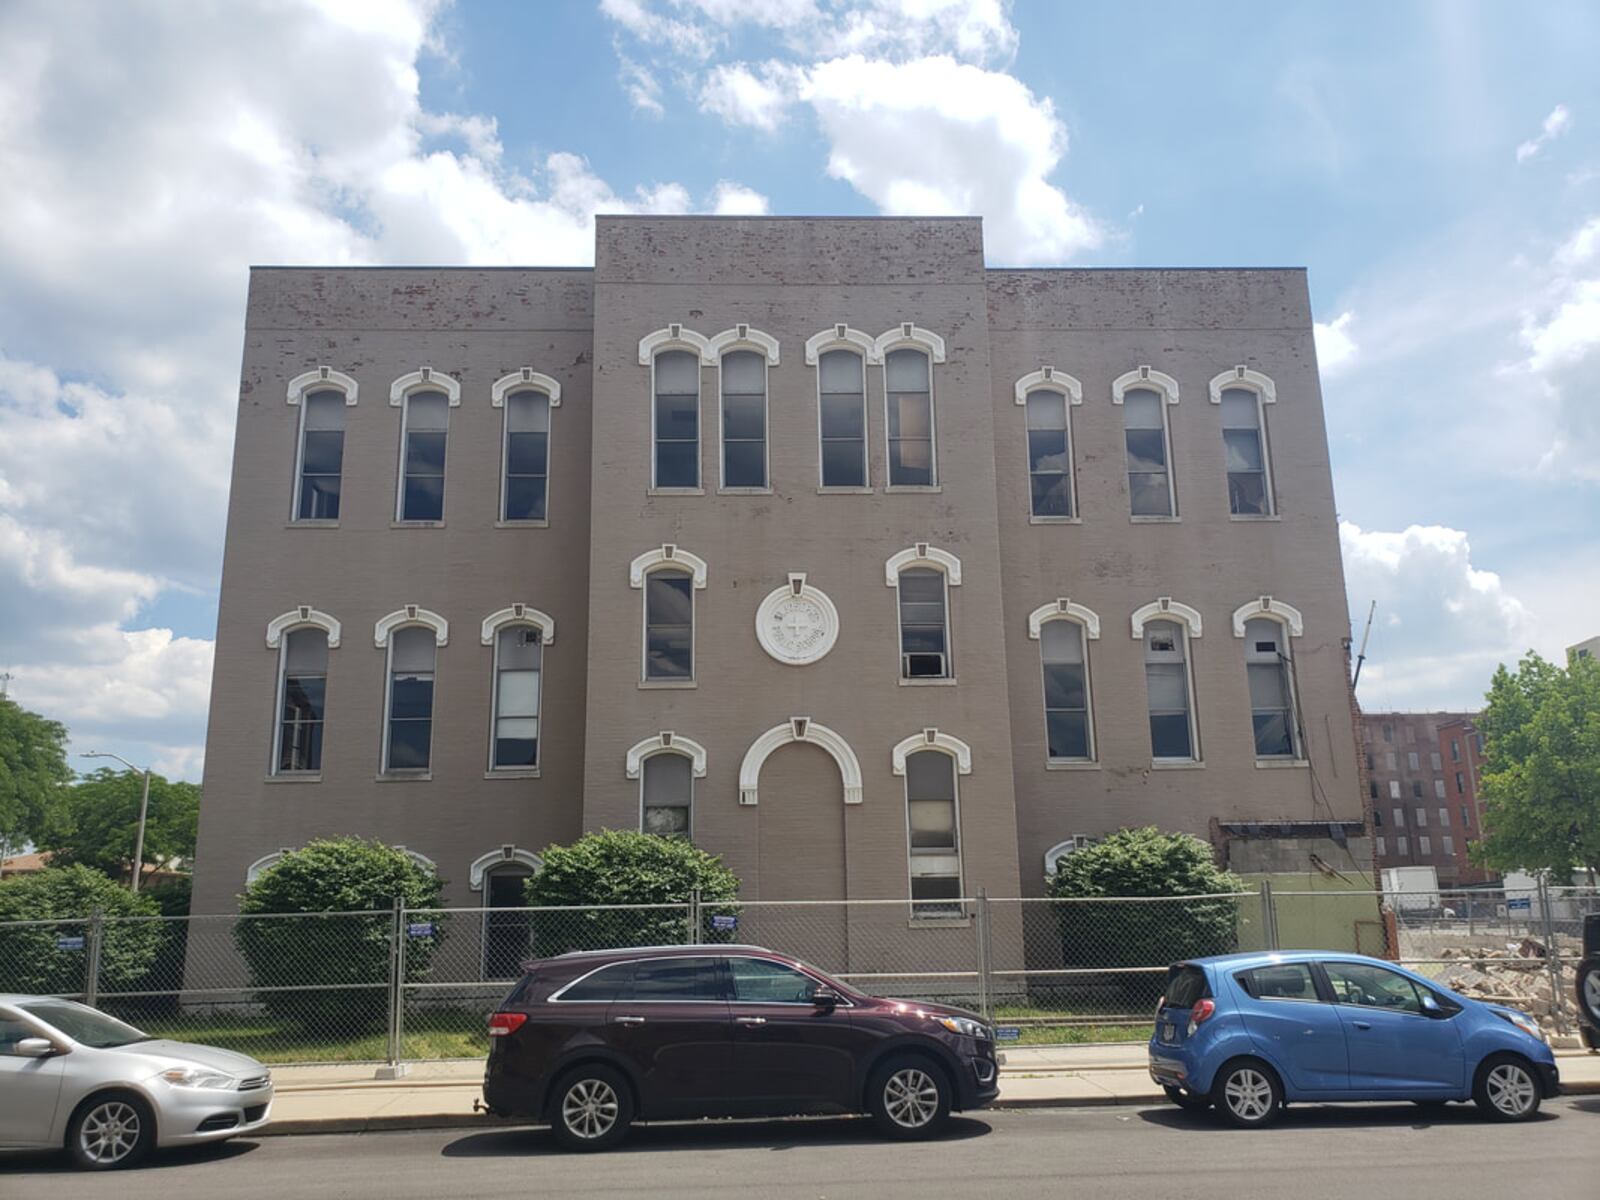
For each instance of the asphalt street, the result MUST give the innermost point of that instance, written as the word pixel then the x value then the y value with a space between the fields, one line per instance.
pixel 1349 1152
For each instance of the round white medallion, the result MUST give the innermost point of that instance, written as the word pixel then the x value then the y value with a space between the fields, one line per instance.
pixel 797 627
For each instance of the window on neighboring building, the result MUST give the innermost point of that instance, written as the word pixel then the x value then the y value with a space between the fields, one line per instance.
pixel 1444 816
pixel 1267 662
pixel 1389 761
pixel 321 456
pixel 677 419
pixel 518 667
pixel 425 427
pixel 1371 765
pixel 1449 845
pixel 1422 816
pixel 1066 692
pixel 744 419
pixel 1394 789
pixel 1438 763
pixel 908 394
pixel 1411 735
pixel 1372 786
pixel 1144 423
pixel 1377 818
pixel 1411 760
pixel 1416 789
pixel 1049 453
pixel 1388 732
pixel 667 795
pixel 934 832
pixel 1455 750
pixel 1378 846
pixel 669 625
pixel 1244 439
pixel 1424 844
pixel 842 418
pixel 1438 789
pixel 1478 738
pixel 1402 845
pixel 924 625
pixel 525 488
pixel 1460 784
pixel 303 667
pixel 1166 673
pixel 408 746
pixel 1465 819
pixel 1399 815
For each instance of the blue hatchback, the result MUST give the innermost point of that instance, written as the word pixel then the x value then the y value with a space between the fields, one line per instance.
pixel 1249 1033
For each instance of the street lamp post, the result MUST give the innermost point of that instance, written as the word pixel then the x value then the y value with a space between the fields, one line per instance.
pixel 144 810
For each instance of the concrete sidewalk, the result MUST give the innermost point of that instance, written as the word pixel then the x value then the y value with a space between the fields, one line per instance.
pixel 434 1095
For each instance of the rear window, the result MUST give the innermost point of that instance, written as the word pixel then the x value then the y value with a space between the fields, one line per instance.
pixel 1185 985
pixel 1281 981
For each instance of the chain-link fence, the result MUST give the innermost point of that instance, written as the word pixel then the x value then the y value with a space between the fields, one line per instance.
pixel 407 984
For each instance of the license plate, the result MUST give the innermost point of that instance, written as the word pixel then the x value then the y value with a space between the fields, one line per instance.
pixel 1169 1031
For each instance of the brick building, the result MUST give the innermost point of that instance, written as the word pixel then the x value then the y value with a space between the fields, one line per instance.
pixel 1422 797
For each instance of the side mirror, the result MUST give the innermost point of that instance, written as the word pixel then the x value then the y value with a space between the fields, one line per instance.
pixel 1431 1006
pixel 34 1047
pixel 825 997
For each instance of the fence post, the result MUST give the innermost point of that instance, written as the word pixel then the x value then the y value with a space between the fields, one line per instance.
pixel 985 947
pixel 692 917
pixel 91 957
pixel 1269 915
pixel 397 938
pixel 1552 956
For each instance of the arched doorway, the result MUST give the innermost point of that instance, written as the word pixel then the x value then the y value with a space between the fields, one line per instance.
pixel 801 856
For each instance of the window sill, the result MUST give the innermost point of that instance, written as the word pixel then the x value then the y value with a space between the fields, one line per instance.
pixel 661 491
pixel 1051 765
pixel 1279 764
pixel 657 685
pixel 851 490
pixel 938 922
pixel 511 773
pixel 744 491
pixel 416 524
pixel 1175 765
pixel 543 524
pixel 1249 517
pixel 295 777
pixel 312 524
pixel 913 487
pixel 928 682
pixel 1034 519
pixel 1154 520
pixel 404 776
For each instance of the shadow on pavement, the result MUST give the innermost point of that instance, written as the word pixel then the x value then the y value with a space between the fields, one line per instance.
pixel 707 1135
pixel 47 1162
pixel 1343 1116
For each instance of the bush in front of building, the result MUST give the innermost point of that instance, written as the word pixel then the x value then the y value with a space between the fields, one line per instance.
pixel 342 892
pixel 624 867
pixel 53 956
pixel 1098 931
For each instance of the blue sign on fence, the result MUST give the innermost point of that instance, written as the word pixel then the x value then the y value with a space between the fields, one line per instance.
pixel 70 943
pixel 1007 1033
pixel 1521 904
pixel 723 922
pixel 420 929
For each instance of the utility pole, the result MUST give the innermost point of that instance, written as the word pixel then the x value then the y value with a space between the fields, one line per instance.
pixel 144 812
pixel 1365 634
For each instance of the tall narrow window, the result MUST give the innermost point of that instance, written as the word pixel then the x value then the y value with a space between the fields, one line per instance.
pixel 507 925
pixel 1166 673
pixel 321 456
pixel 843 419
pixel 677 419
pixel 304 689
pixel 1144 423
pixel 667 795
pixel 924 627
pixel 744 419
pixel 668 625
pixel 1245 443
pixel 908 393
pixel 931 815
pixel 518 668
pixel 427 421
pixel 527 456
pixel 1066 692
pixel 408 746
pixel 1267 663
pixel 1049 454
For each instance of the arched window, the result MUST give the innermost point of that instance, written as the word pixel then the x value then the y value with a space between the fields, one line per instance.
pixel 744 419
pixel 922 575
pixel 302 638
pixel 669 625
pixel 1171 692
pixel 411 637
pixel 908 405
pixel 1064 630
pixel 1269 665
pixel 518 671
pixel 322 396
pixel 1244 438
pixel 424 398
pixel 1047 397
pixel 666 794
pixel 1144 395
pixel 842 418
pixel 676 419
pixel 528 398
pixel 934 833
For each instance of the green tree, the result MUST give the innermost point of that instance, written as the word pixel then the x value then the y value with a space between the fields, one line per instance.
pixel 96 823
pixel 623 867
pixel 345 888
pixel 44 958
pixel 33 770
pixel 1541 771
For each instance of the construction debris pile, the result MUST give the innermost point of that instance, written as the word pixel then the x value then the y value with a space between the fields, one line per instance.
pixel 1517 976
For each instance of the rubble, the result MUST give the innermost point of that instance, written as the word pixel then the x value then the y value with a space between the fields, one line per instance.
pixel 1517 976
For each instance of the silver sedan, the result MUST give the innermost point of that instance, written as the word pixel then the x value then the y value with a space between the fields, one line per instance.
pixel 73 1077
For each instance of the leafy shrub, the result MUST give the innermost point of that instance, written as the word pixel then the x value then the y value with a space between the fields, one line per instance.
pixel 31 957
pixel 346 888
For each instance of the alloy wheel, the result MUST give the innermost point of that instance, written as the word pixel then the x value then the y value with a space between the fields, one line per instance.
pixel 589 1109
pixel 911 1098
pixel 1249 1094
pixel 110 1132
pixel 1510 1089
pixel 1591 993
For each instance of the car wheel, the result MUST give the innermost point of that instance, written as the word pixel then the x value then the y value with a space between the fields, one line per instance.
pixel 110 1131
pixel 591 1108
pixel 1506 1088
pixel 1247 1094
pixel 1589 991
pixel 1184 1098
pixel 909 1097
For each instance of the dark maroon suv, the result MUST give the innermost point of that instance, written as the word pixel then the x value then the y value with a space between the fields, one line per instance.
pixel 593 1041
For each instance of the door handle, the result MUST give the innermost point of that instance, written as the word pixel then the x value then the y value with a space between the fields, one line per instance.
pixel 1362 1024
pixel 628 1020
pixel 751 1020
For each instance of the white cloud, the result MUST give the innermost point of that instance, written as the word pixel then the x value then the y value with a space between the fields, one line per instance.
pixel 735 200
pixel 643 89
pixel 758 97
pixel 1335 347
pixel 1553 127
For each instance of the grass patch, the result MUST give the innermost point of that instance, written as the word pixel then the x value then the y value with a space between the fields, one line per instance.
pixel 440 1033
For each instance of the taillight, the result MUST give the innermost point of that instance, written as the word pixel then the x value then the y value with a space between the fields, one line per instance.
pixel 1197 1015
pixel 502 1023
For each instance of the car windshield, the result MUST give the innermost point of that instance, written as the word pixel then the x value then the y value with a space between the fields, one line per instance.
pixel 84 1025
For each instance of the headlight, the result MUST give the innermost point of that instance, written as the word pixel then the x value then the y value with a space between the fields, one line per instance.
pixel 967 1027
pixel 1522 1021
pixel 199 1077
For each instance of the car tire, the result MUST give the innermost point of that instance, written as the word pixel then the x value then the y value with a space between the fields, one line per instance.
pixel 1185 1099
pixel 1507 1088
pixel 110 1131
pixel 1589 992
pixel 909 1097
pixel 591 1108
pixel 1246 1093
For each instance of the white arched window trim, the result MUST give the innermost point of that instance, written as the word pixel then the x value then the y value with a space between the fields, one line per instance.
pixel 1166 609
pixel 676 337
pixel 1064 610
pixel 299 618
pixel 519 380
pixel 665 742
pixel 267 861
pixel 1144 377
pixel 906 335
pixel 667 556
pixel 411 614
pixel 1049 379
pixel 799 729
pixel 922 555
pixel 1246 378
pixel 932 739
pixel 519 614
pixel 485 863
pixel 841 337
pixel 1285 614
pixel 424 379
pixel 1060 850
pixel 744 337
pixel 319 379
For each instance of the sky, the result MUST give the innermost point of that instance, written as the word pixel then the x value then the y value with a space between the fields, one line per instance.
pixel 1435 167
